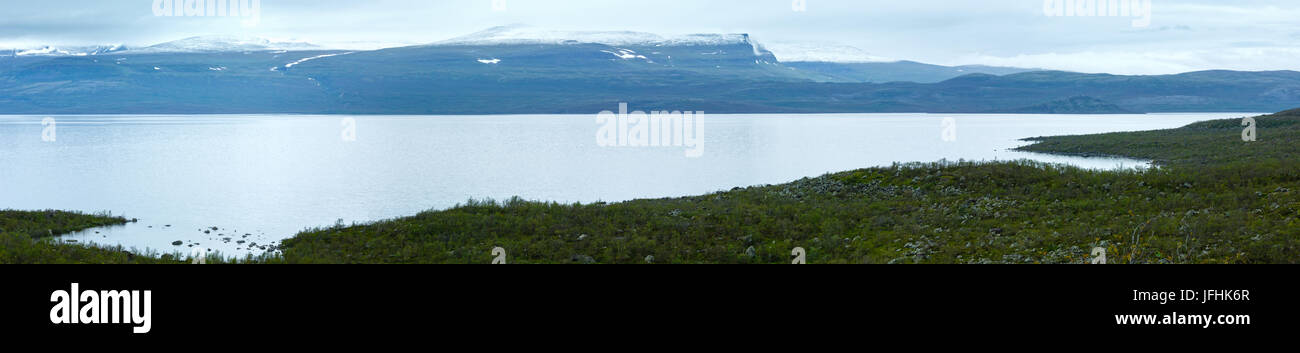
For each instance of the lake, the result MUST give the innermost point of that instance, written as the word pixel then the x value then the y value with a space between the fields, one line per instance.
pixel 271 176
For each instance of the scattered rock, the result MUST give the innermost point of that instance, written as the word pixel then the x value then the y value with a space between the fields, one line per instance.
pixel 582 237
pixel 751 252
pixel 583 259
pixel 649 259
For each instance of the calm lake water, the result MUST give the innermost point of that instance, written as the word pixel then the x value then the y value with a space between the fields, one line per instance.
pixel 272 176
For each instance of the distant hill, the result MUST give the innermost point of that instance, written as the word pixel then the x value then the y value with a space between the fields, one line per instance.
pixel 898 71
pixel 1072 105
pixel 512 71
pixel 222 44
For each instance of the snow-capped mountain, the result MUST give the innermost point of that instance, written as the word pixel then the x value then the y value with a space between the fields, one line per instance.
pixel 213 44
pixel 523 34
pixel 44 51
pixel 201 44
pixel 66 51
pixel 620 40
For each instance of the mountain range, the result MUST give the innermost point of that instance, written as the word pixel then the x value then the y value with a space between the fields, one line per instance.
pixel 522 70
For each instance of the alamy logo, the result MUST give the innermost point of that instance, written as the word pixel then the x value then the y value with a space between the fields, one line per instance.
pixel 498 256
pixel 349 130
pixel 249 9
pixel 1099 256
pixel 50 130
pixel 948 130
pixel 1139 9
pixel 657 129
pixel 1249 134
pixel 102 307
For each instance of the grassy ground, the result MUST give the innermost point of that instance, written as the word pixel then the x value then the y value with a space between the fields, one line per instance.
pixel 1216 199
pixel 26 238
pixel 38 224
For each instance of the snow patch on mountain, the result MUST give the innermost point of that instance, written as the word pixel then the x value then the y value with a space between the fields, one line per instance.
pixel 626 54
pixel 290 65
pixel 522 34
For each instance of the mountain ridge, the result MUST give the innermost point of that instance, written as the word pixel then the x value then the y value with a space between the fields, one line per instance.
pixel 728 76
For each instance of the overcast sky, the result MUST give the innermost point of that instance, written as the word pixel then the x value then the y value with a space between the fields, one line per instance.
pixel 1182 35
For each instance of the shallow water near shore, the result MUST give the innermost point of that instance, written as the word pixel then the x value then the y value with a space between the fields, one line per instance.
pixel 263 178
